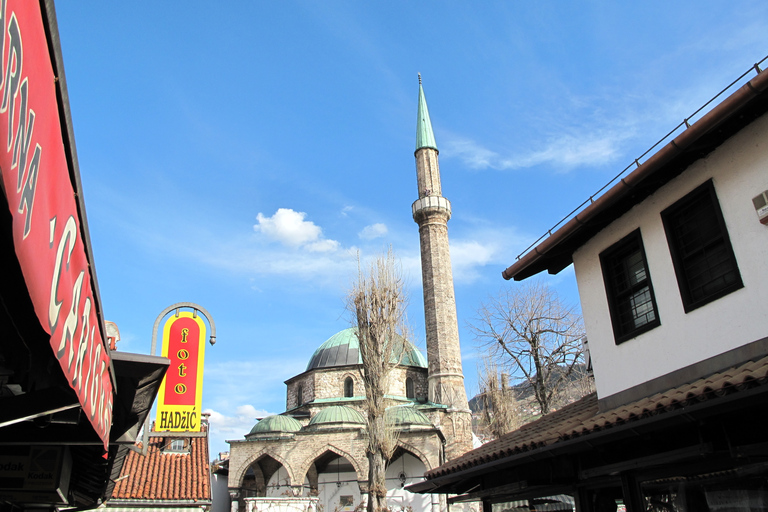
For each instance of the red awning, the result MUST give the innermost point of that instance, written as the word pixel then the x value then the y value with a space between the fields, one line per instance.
pixel 41 184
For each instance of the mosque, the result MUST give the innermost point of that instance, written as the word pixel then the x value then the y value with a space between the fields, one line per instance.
pixel 313 455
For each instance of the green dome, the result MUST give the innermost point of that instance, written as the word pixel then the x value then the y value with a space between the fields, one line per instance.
pixel 343 348
pixel 337 414
pixel 277 423
pixel 408 416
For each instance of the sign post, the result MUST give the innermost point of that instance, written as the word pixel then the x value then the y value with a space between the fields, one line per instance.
pixel 181 393
pixel 183 342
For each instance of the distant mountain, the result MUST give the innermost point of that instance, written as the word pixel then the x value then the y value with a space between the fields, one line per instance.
pixel 523 390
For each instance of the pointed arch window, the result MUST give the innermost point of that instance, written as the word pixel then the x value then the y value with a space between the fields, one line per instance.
pixel 349 387
pixel 409 391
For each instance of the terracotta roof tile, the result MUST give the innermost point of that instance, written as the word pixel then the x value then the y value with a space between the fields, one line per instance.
pixel 164 475
pixel 582 417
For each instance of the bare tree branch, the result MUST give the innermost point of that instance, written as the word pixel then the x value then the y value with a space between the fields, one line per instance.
pixel 377 305
pixel 533 334
pixel 500 411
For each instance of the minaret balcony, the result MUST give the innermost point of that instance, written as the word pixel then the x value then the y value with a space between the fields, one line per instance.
pixel 431 203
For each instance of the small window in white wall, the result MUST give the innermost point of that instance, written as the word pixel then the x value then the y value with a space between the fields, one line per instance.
pixel 701 249
pixel 628 287
pixel 176 446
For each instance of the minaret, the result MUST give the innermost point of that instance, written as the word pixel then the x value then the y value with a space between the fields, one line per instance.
pixel 431 212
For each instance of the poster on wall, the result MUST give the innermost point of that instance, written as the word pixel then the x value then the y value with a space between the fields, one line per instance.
pixel 181 393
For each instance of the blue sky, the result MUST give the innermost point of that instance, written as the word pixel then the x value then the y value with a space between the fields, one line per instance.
pixel 239 156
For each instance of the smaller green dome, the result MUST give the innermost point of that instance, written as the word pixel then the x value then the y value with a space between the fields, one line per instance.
pixel 276 423
pixel 408 416
pixel 337 415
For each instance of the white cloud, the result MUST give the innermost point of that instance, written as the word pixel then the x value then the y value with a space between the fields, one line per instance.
pixel 377 230
pixel 288 227
pixel 468 256
pixel 226 428
pixel 239 424
pixel 565 152
pixel 323 246
pixel 473 155
pixel 471 253
pixel 483 252
pixel 233 416
pixel 323 260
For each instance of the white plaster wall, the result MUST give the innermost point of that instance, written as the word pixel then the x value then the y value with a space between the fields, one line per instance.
pixel 282 504
pixel 739 170
pixel 220 500
pixel 279 484
pixel 330 492
pixel 400 499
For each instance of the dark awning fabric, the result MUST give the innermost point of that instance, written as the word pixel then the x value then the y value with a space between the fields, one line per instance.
pixel 138 381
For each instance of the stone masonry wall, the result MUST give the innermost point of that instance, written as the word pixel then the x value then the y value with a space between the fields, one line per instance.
pixel 329 383
pixel 446 378
pixel 307 383
pixel 298 454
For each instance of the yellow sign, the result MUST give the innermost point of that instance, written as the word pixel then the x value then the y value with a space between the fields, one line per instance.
pixel 181 393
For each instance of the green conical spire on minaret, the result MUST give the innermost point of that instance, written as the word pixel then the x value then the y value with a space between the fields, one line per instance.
pixel 425 138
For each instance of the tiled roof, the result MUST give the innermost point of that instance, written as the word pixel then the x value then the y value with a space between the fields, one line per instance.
pixel 582 417
pixel 165 475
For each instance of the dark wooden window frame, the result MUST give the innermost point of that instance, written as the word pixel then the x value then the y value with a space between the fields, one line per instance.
pixel 619 252
pixel 670 217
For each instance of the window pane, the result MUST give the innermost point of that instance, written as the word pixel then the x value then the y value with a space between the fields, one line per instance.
pixel 701 250
pixel 628 286
pixel 636 268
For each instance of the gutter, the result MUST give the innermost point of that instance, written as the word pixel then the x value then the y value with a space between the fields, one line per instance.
pixel 655 163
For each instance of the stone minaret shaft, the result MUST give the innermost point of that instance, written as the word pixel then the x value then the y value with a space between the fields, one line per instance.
pixel 431 212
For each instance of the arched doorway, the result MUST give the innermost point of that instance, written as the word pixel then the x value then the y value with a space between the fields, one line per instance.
pixel 403 470
pixel 266 477
pixel 333 480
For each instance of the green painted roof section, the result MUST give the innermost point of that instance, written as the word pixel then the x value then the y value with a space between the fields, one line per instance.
pixel 408 416
pixel 425 137
pixel 276 423
pixel 337 414
pixel 337 399
pixel 343 348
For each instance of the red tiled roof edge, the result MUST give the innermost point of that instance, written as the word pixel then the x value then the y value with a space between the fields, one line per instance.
pixel 582 417
pixel 162 475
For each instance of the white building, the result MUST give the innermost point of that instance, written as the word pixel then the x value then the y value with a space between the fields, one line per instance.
pixel 672 265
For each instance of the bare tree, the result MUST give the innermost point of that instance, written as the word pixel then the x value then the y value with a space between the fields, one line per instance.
pixel 500 411
pixel 539 337
pixel 377 302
